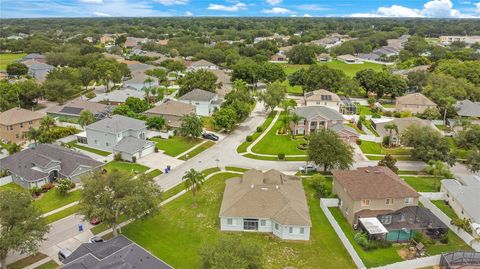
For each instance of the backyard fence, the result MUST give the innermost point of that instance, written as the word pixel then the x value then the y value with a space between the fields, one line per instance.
pixel 5 180
pixel 433 195
pixel 416 263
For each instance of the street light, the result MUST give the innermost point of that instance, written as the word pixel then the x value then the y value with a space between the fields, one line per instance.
pixel 217 160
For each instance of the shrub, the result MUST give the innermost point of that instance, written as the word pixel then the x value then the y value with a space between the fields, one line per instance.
pixel 302 146
pixel 63 185
pixel 90 95
pixel 376 115
pixel 318 187
pixel 386 140
pixel 117 157
pixel 388 113
pixel 421 238
pixel 259 129
pixel 444 239
pixel 281 156
pixel 134 159
pixel 249 138
pixel 359 142
pixel 396 114
pixel 362 239
pixel 47 187
pixel 156 150
pixel 35 191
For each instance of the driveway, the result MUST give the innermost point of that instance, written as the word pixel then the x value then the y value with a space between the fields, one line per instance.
pixel 158 160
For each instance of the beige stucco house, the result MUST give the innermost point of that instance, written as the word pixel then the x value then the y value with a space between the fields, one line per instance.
pixel 414 102
pixel 15 122
pixel 323 98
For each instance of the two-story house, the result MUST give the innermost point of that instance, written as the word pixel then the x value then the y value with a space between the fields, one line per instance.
pixel 205 102
pixel 15 122
pixel 323 98
pixel 119 134
pixel 315 118
pixel 414 102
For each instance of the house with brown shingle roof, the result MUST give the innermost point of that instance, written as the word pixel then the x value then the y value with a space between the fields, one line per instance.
pixel 414 102
pixel 269 202
pixel 15 122
pixel 172 111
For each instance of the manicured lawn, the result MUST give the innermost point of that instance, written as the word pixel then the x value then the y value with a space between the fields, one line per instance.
pixel 27 261
pixel 126 167
pixel 197 150
pixel 209 171
pixel 349 69
pixel 243 147
pixel 186 228
pixel 12 186
pixel 424 183
pixel 409 172
pixel 448 210
pixel 237 169
pixel 354 126
pixel 89 149
pixel 291 68
pixel 364 110
pixel 49 265
pixel 369 126
pixel 294 90
pixel 174 146
pixel 52 200
pixel 399 158
pixel 264 158
pixel 62 214
pixel 8 58
pixel 154 173
pixel 369 147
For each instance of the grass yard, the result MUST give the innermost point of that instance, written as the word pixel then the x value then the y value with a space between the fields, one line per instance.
pixel 423 183
pixel 399 158
pixel 275 158
pixel 154 173
pixel 49 265
pixel 8 58
pixel 52 200
pixel 126 167
pixel 364 110
pixel 355 127
pixel 27 261
pixel 236 169
pixel 209 171
pixel 197 150
pixel 293 90
pixel 89 149
pixel 369 147
pixel 349 69
pixel 62 214
pixel 12 186
pixel 174 146
pixel 243 147
pixel 448 210
pixel 186 228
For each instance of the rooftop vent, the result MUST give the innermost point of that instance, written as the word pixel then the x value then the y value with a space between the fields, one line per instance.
pixel 264 189
pixel 252 186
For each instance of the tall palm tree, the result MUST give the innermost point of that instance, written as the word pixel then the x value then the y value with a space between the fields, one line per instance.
pixel 193 180
pixel 47 122
pixel 390 127
pixel 33 134
pixel 147 93
pixel 295 119
pixel 286 119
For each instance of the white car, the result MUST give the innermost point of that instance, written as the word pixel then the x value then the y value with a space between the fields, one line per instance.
pixel 95 239
pixel 307 168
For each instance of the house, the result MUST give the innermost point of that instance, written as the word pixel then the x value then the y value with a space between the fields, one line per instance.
pixel 349 59
pixel 224 78
pixel 119 134
pixel 39 58
pixel 269 202
pixel 107 38
pixel 73 108
pixel 118 252
pixel 467 108
pixel 369 56
pixel 39 71
pixel 205 102
pixel 138 81
pixel 132 42
pixel 202 64
pixel 15 122
pixel 43 164
pixel 172 111
pixel 284 50
pixel 315 118
pixel 414 102
pixel 401 123
pixel 404 72
pixel 277 57
pixel 346 133
pixel 322 98
pixel 463 197
pixel 324 58
pixel 466 39
pixel 117 97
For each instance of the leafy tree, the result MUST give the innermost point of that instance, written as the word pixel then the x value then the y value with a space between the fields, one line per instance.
pixel 302 54
pixel 366 79
pixel 438 169
pixel 87 75
pixel 271 72
pixel 58 90
pixel 120 40
pixel 427 144
pixel 192 126
pixel 231 252
pixel 172 65
pixel 193 181
pixel 33 134
pixel 63 186
pixel 295 119
pixel 473 160
pixel 47 122
pixel 288 104
pixel 381 83
pixel 320 77
pixel 137 105
pixel 317 182
pixel 327 149
pixel 469 137
pixel 273 95
pixel 159 73
pixel 13 148
pixel 389 161
pixel 201 79
pixel 22 227
pixel 155 123
pixel 17 69
pixel 225 117
pixel 116 193
pixel 86 118
pixel 246 70
pixel 430 113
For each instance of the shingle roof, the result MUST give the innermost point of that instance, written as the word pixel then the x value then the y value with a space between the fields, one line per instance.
pixel 467 108
pixel 270 195
pixel 172 107
pixel 116 124
pixel 118 96
pixel 414 99
pixel 198 95
pixel 23 163
pixel 466 195
pixel 378 182
pixel 322 95
pixel 201 63
pixel 81 104
pixel 132 145
pixel 402 124
pixel 18 115
pixel 309 112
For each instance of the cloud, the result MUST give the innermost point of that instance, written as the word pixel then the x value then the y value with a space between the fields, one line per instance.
pixel 312 7
pixel 172 2
pixel 238 6
pixel 92 1
pixel 277 10
pixel 478 7
pixel 188 13
pixel 431 9
pixel 274 2
pixel 307 15
pixel 101 14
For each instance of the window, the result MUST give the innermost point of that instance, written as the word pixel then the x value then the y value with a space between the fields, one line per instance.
pixel 10 128
pixel 290 230
pixel 276 226
pixel 96 142
pixel 302 230
pixel 107 144
pixel 365 202
pixel 250 224
pixel 389 201
pixel 263 222
pixel 30 122
pixel 21 125
pixel 387 219
pixel 229 221
pixel 409 200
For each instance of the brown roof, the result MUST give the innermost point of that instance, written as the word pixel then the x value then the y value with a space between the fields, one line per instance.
pixel 377 182
pixel 322 95
pixel 402 124
pixel 271 195
pixel 80 104
pixel 414 99
pixel 222 76
pixel 18 115
pixel 172 107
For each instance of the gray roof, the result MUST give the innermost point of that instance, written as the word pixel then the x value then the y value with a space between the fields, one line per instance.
pixel 198 95
pixel 369 56
pixel 467 108
pixel 41 66
pixel 116 124
pixel 132 145
pixel 34 56
pixel 309 112
pixel 116 253
pixel 29 163
pixel 342 127
pixel 466 195
pixel 119 96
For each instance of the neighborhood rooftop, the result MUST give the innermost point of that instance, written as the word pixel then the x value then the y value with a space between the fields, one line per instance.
pixel 198 95
pixel 116 124
pixel 315 111
pixel 18 115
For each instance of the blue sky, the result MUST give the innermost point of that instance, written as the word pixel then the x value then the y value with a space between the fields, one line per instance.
pixel 287 8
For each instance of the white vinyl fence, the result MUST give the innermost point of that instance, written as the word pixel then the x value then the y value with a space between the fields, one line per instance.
pixel 5 180
pixel 416 263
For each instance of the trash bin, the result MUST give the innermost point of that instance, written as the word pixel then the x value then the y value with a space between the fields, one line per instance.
pixel 166 170
pixel 169 167
pixel 80 227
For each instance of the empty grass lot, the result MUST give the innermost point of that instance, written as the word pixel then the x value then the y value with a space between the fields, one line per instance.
pixel 186 228
pixel 243 147
pixel 349 69
pixel 423 183
pixel 8 58
pixel 126 167
pixel 174 146
pixel 197 150
pixel 448 210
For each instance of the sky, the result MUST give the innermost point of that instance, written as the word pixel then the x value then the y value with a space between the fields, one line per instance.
pixel 237 8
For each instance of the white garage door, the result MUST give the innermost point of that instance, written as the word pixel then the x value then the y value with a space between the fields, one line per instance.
pixel 147 151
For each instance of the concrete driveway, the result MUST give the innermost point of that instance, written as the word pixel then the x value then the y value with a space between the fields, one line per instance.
pixel 158 160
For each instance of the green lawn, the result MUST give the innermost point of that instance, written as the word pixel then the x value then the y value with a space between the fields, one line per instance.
pixel 49 265
pixel 186 228
pixel 89 149
pixel 27 261
pixel 126 167
pixel 12 186
pixel 423 183
pixel 197 150
pixel 349 69
pixel 209 171
pixel 364 110
pixel 369 147
pixel 294 90
pixel 176 145
pixel 354 126
pixel 236 169
pixel 448 210
pixel 52 200
pixel 243 147
pixel 8 58
pixel 398 158
pixel 460 152
pixel 264 158
pixel 154 173
pixel 62 214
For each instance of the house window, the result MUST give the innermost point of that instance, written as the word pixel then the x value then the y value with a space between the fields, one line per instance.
pixel 10 128
pixel 229 221
pixel 21 125
pixel 107 144
pixel 276 226
pixel 387 219
pixel 263 222
pixel 290 230
pixel 365 202
pixel 96 142
pixel 408 200
pixel 30 122
pixel 302 230
pixel 389 201
pixel 250 224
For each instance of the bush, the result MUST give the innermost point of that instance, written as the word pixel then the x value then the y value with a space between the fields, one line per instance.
pixel 47 187
pixel 359 142
pixel 388 113
pixel 281 156
pixel 302 146
pixel 117 157
pixel 396 114
pixel 362 239
pixel 156 150
pixel 259 129
pixel 63 186
pixel 318 185
pixel 134 159
pixel 35 191
pixel 421 238
pixel 444 239
pixel 386 140
pixel 249 138
pixel 90 95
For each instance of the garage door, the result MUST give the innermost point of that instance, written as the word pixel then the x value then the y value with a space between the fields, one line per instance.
pixel 147 151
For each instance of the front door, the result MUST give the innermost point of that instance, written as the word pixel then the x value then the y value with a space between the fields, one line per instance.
pixel 250 224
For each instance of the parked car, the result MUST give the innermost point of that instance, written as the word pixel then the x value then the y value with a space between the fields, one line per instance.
pixel 95 239
pixel 95 221
pixel 64 253
pixel 210 136
pixel 307 168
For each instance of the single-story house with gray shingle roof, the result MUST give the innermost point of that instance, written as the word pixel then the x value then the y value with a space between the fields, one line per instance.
pixel 118 97
pixel 467 108
pixel 40 71
pixel 119 134
pixel 116 253
pixel 137 81
pixel 35 167
pixel 73 108
pixel 172 111
pixel 40 58
pixel 315 118
pixel 205 102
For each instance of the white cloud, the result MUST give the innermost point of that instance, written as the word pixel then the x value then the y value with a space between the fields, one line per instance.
pixel 101 14
pixel 92 1
pixel 277 10
pixel 312 7
pixel 478 7
pixel 238 6
pixel 188 13
pixel 307 15
pixel 172 2
pixel 274 2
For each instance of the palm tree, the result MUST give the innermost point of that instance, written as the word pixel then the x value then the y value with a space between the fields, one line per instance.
pixel 465 224
pixel 86 118
pixel 147 93
pixel 47 122
pixel 193 180
pixel 390 127
pixel 295 119
pixel 286 119
pixel 33 134
pixel 148 80
pixel 154 91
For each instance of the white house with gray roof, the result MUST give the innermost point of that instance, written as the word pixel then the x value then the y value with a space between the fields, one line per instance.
pixel 119 134
pixel 205 102
pixel 467 108
pixel 315 118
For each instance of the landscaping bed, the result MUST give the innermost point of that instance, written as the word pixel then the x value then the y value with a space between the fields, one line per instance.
pixel 175 145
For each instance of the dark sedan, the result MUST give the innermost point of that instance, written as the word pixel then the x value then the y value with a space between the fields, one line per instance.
pixel 210 136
